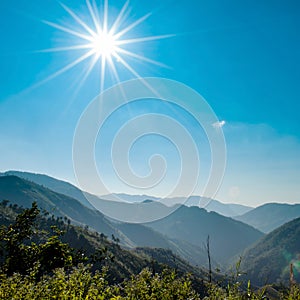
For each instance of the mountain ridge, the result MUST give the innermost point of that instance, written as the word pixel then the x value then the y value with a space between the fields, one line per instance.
pixel 269 259
pixel 270 216
pixel 228 237
pixel 190 249
pixel 23 192
pixel 67 188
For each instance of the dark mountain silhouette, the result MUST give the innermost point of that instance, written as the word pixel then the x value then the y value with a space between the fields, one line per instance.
pixel 53 184
pixel 23 192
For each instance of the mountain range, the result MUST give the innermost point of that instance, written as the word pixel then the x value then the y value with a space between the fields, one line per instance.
pixel 265 258
pixel 121 263
pixel 225 209
pixel 187 241
pixel 23 192
pixel 228 237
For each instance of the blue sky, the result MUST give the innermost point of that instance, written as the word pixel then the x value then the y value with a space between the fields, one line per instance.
pixel 243 57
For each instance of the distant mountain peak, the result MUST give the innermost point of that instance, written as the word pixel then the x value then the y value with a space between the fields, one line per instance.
pixel 148 201
pixel 269 216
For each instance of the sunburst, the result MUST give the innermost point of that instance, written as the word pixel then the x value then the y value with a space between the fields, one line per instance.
pixel 100 42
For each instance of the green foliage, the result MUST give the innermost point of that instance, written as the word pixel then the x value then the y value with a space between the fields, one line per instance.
pixel 294 293
pixel 21 254
pixel 17 256
pixel 80 283
pixel 77 284
pixel 146 286
pixel 38 265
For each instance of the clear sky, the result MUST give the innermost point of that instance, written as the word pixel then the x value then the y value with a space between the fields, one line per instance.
pixel 243 57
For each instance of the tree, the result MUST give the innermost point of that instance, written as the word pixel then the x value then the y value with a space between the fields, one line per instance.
pixel 17 256
pixel 4 203
pixel 209 258
pixel 23 247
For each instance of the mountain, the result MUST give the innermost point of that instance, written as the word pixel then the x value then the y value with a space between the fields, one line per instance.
pixel 145 236
pixel 270 258
pixel 23 192
pixel 132 210
pixel 228 237
pixel 187 242
pixel 66 188
pixel 270 216
pixel 129 198
pixel 53 184
pixel 225 209
pixel 121 263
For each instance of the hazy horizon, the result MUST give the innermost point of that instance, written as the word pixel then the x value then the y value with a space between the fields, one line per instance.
pixel 146 195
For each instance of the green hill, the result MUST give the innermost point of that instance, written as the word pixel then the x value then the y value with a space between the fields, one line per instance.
pixel 269 259
pixel 23 192
pixel 56 185
pixel 126 276
pixel 121 263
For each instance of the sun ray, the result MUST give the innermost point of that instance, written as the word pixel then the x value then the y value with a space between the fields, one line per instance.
pixel 78 20
pixel 103 65
pixel 102 41
pixel 65 29
pixel 116 75
pixel 86 74
pixel 143 39
pixel 67 67
pixel 105 16
pixel 142 58
pixel 94 15
pixel 135 73
pixel 118 20
pixel 113 69
pixel 131 26
pixel 67 48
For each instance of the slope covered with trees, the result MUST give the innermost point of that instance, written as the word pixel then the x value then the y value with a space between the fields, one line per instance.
pixel 25 233
pixel 23 192
pixel 39 264
pixel 269 259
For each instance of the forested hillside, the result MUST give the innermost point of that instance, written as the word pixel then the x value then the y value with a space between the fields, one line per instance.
pixel 270 259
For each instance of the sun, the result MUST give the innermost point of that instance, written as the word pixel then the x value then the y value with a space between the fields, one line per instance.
pixel 102 43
